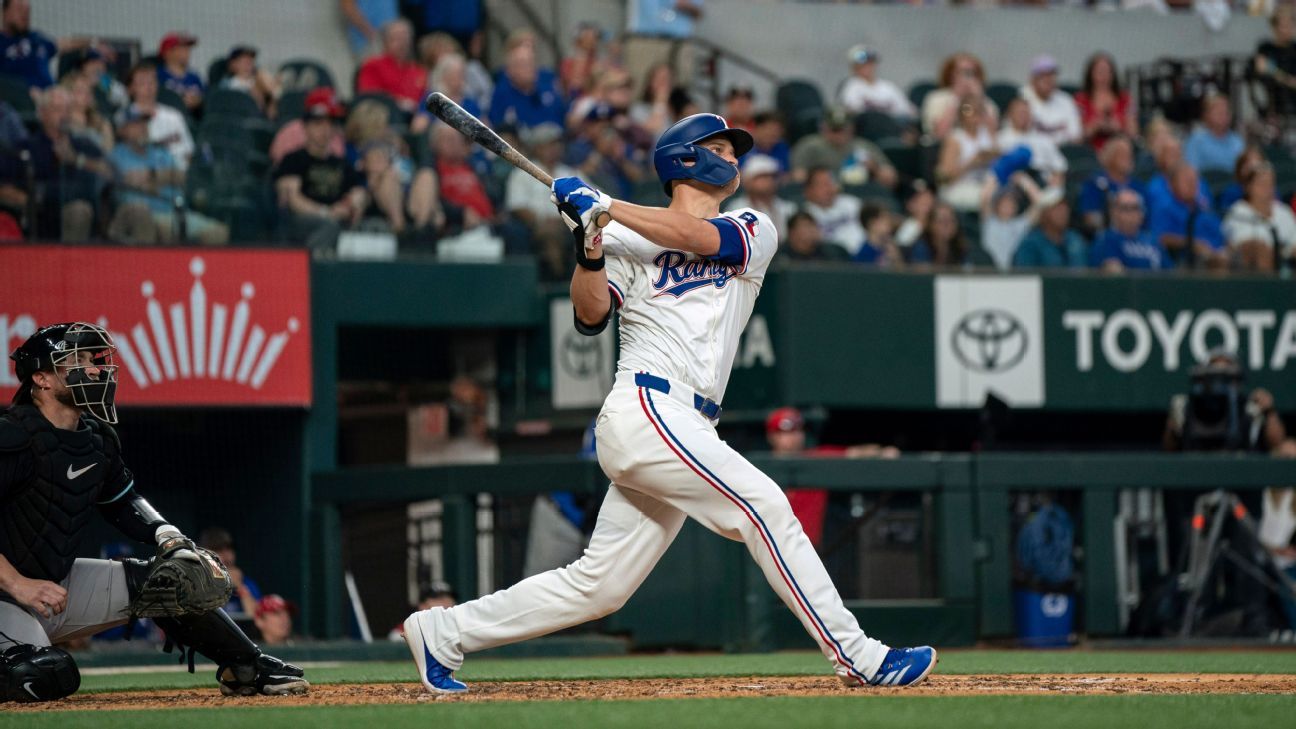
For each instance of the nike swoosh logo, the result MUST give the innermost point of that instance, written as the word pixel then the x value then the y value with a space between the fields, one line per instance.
pixel 73 474
pixel 28 689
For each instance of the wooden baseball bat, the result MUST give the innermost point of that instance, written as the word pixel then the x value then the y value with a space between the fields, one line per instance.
pixel 476 130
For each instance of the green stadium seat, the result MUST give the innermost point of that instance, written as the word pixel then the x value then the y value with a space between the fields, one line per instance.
pixel 230 102
pixel 304 74
pixel 918 92
pixel 1002 92
pixel 802 107
pixel 875 193
pixel 13 90
pixel 907 158
pixel 876 126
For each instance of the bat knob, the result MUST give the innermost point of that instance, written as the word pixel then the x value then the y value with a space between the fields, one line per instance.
pixel 603 219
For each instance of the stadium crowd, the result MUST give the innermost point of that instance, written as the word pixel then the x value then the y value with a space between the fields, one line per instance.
pixel 963 171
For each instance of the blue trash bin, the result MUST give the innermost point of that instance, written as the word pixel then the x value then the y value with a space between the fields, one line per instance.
pixel 1044 619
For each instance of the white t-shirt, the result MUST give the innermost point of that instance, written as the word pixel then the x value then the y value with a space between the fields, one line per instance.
pixel 680 314
pixel 168 128
pixel 1243 223
pixel 840 222
pixel 1045 155
pixel 858 95
pixel 522 192
pixel 1058 118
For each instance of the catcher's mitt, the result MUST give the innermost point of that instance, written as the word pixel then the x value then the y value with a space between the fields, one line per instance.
pixel 183 579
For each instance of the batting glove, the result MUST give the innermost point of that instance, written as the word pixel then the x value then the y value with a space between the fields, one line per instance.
pixel 589 202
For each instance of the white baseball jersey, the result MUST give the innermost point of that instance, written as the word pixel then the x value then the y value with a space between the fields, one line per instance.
pixel 681 314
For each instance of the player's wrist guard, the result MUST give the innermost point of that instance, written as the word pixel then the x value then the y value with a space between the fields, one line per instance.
pixel 571 217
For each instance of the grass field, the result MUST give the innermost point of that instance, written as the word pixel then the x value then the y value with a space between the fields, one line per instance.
pixel 841 709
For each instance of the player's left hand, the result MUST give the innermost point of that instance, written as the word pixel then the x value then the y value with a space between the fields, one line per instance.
pixel 588 202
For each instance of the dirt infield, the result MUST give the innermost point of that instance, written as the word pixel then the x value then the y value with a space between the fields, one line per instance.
pixel 686 688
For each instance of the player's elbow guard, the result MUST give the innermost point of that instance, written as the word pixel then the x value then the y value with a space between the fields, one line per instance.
pixel 590 330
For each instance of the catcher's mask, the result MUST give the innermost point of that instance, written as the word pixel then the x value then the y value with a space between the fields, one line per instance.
pixel 81 354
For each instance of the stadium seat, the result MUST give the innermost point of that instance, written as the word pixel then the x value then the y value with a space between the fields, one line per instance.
pixel 167 97
pixel 876 126
pixel 802 107
pixel 793 192
pixel 395 114
pixel 304 74
pixel 918 92
pixel 1217 180
pixel 14 91
pixel 291 106
pixel 1078 153
pixel 873 192
pixel 906 158
pixel 1002 92
pixel 215 73
pixel 230 102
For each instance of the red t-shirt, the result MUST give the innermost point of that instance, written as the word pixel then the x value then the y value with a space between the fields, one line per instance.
pixel 1089 114
pixel 460 186
pixel 384 74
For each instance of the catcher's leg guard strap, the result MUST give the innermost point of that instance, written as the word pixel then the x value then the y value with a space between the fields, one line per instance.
pixel 212 634
pixel 30 673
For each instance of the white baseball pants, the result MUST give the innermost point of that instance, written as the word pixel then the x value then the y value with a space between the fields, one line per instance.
pixel 666 463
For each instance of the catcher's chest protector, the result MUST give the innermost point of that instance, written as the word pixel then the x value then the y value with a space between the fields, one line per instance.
pixel 41 521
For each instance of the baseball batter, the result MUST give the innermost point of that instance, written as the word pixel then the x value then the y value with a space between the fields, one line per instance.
pixel 684 280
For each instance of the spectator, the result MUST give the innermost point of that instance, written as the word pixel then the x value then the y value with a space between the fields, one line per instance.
pixel 27 53
pixel 1053 111
pixel 467 204
pixel 91 64
pixel 247 593
pixel 682 103
pixel 1258 228
pixel 612 88
pixel 448 78
pixel 918 201
pixel 769 137
pixel 837 148
pixel 760 192
pixel 167 126
pixel 863 91
pixel 579 69
pixel 363 19
pixel 319 193
pixel 479 85
pixel 174 72
pixel 1117 173
pixel 1213 145
pixel 652 111
pixel 274 619
pixel 1106 110
pixel 395 72
pixel 879 248
pixel 438 594
pixel 84 119
pixel 609 161
pixel 243 74
pixel 524 97
pixel 13 133
pixel 1185 227
pixel 1019 131
pixel 1275 61
pixel 805 242
pixel 68 172
pixel 943 242
pixel 528 201
pixel 965 157
pixel 292 136
pixel 1168 153
pixel 1052 243
pixel 961 76
pixel 148 183
pixel 836 213
pixel 1126 245
pixel 396 193
pixel 1008 211
pixel 1251 156
pixel 739 108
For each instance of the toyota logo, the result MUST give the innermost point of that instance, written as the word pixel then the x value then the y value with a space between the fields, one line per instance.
pixel 989 340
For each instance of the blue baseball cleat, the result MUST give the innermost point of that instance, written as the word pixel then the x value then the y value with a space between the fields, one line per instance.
pixel 436 678
pixel 905 666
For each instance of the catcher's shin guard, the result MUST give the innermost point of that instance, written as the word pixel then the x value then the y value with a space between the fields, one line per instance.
pixel 241 667
pixel 37 673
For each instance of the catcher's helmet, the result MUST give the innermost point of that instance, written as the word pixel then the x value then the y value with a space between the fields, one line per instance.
pixel 60 346
pixel 679 144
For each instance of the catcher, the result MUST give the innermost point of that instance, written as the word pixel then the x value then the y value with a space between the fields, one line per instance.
pixel 58 466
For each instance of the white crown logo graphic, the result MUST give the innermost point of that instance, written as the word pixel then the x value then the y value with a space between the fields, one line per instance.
pixel 197 345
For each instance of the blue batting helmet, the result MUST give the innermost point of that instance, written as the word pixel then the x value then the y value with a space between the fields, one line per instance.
pixel 679 144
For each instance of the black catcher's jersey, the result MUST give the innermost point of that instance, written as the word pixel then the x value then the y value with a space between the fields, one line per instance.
pixel 51 482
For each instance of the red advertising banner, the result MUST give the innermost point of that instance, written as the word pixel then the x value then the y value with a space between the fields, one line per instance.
pixel 192 326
